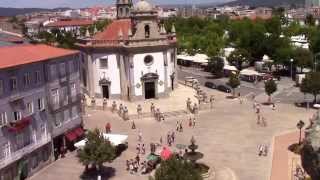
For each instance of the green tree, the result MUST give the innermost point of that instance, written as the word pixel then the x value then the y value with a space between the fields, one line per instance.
pixel 234 82
pixel 310 20
pixel 216 65
pixel 270 87
pixel 302 58
pixel 238 57
pixel 96 151
pixel 311 84
pixel 177 169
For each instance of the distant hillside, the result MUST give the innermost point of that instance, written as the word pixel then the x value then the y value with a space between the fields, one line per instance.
pixel 17 11
pixel 270 3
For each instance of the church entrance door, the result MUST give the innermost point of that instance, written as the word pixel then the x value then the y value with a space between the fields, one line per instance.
pixel 150 90
pixel 105 91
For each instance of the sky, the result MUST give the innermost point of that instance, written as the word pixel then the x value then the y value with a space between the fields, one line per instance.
pixel 86 3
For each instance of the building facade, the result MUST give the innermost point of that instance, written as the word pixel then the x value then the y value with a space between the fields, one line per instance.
pixel 134 58
pixel 27 118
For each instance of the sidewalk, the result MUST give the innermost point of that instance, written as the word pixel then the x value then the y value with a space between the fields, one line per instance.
pixel 176 102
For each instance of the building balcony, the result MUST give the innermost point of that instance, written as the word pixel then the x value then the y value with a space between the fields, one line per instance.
pixel 14 156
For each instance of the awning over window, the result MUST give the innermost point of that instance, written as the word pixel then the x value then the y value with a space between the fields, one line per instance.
pixel 79 131
pixel 71 136
pixel 19 125
pixel 74 134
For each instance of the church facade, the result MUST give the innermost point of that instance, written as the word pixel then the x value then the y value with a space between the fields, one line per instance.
pixel 134 58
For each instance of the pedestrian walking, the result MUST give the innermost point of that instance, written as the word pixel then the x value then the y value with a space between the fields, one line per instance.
pixel 177 126
pixel 194 122
pixel 172 136
pixel 180 127
pixel 152 108
pixel 211 101
pixel 104 103
pixel 190 122
pixel 273 106
pixel 128 165
pixel 108 128
pixel 138 159
pixel 114 107
pixel 139 110
pixel 140 136
pixel 138 148
pixel 125 113
pixel 143 149
pixel 160 140
pixel 188 103
pixel 93 102
pixel 120 111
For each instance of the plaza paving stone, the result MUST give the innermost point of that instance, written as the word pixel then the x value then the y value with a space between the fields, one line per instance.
pixel 228 136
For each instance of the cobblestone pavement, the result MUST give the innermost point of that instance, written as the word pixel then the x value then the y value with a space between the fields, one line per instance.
pixel 227 135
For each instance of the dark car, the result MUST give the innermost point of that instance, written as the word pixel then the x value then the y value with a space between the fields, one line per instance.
pixel 224 88
pixel 210 85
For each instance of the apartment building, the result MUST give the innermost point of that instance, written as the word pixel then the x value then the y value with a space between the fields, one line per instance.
pixel 32 99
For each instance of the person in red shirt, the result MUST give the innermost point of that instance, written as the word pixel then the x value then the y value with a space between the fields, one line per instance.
pixel 108 127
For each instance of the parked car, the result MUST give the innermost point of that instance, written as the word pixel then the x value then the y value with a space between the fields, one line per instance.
pixel 224 88
pixel 210 85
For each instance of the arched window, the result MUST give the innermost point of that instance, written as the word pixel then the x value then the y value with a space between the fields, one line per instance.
pixel 147 31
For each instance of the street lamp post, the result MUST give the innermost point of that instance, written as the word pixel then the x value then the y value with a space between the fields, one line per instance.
pixel 291 71
pixel 300 125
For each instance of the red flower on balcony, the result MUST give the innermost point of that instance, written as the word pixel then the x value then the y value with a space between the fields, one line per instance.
pixel 19 125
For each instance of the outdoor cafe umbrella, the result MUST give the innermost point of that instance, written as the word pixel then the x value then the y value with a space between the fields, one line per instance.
pixel 165 153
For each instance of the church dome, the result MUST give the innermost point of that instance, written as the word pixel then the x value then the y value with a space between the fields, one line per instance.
pixel 143 6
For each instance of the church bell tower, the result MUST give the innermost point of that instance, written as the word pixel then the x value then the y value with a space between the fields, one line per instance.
pixel 124 9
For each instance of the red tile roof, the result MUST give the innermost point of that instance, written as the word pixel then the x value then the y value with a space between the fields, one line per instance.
pixel 112 30
pixel 24 54
pixel 74 22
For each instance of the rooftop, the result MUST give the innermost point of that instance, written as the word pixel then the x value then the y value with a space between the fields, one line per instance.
pixel 112 30
pixel 25 54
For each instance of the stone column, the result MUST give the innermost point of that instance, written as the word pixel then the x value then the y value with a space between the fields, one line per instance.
pixel 123 77
pixel 90 76
pixel 166 82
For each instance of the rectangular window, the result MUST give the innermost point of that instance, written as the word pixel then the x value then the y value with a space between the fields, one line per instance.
pixel 104 63
pixel 62 69
pixel 13 83
pixel 55 96
pixel 1 87
pixel 37 77
pixel 53 71
pixel 26 79
pixel 73 89
pixel 58 118
pixel 30 107
pixel 64 95
pixel 3 119
pixel 17 115
pixel 40 104
pixel 66 115
pixel 74 112
pixel 20 141
pixel 71 67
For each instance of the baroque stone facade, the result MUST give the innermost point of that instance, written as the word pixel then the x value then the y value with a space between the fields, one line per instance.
pixel 134 58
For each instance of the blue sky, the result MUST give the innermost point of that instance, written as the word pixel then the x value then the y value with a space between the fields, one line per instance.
pixel 85 3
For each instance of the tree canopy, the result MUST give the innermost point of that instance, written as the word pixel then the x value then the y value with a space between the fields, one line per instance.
pixel 311 84
pixel 97 150
pixel 177 169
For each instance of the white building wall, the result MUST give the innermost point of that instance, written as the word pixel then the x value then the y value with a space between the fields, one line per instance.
pixel 170 68
pixel 139 66
pixel 112 73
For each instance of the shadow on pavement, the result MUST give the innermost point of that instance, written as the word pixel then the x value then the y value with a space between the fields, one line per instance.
pixel 92 174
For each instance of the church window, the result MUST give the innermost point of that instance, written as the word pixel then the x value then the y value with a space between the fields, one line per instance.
pixel 148 60
pixel 104 63
pixel 147 31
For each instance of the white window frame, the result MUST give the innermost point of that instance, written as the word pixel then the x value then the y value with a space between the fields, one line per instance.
pixel 17 115
pixel 26 79
pixel 73 89
pixel 62 69
pixel 1 87
pixel 40 102
pixel 55 96
pixel 3 119
pixel 37 77
pixel 30 107
pixel 6 150
pixel 13 83
pixel 104 65
pixel 65 95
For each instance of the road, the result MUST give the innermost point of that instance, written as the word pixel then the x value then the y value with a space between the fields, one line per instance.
pixel 287 91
